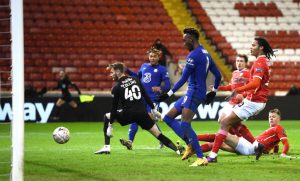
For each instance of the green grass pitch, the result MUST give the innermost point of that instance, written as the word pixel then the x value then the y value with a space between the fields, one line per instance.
pixel 46 160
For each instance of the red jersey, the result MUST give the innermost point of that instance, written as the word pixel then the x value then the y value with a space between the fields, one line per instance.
pixel 260 69
pixel 271 137
pixel 238 79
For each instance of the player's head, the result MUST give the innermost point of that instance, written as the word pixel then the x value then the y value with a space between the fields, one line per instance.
pixel 190 38
pixel 241 61
pixel 62 75
pixel 153 55
pixel 116 70
pixel 274 117
pixel 260 46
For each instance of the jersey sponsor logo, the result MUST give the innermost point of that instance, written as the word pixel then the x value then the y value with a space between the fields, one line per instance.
pixel 147 77
pixel 63 86
pixel 190 61
pixel 204 51
pixel 155 70
pixel 258 70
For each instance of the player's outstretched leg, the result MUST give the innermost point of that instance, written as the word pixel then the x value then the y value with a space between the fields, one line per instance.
pixel 167 142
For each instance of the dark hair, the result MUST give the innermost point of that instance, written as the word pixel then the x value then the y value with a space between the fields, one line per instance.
pixel 275 111
pixel 192 31
pixel 244 56
pixel 268 51
pixel 117 66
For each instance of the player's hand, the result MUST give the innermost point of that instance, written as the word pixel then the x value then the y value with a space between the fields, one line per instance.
pixel 210 97
pixel 156 114
pixel 156 89
pixel 109 131
pixel 162 97
pixel 231 96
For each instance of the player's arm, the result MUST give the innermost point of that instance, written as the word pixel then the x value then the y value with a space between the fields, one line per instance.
pixel 286 146
pixel 184 77
pixel 75 87
pixel 255 84
pixel 115 101
pixel 224 88
pixel 166 79
pixel 215 71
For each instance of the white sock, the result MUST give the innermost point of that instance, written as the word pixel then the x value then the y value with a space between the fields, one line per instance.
pixel 213 154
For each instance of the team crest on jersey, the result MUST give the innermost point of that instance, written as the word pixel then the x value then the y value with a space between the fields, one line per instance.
pixel 155 70
pixel 147 77
pixel 63 86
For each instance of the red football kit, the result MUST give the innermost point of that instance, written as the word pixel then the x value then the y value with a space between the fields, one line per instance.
pixel 238 79
pixel 271 137
pixel 260 69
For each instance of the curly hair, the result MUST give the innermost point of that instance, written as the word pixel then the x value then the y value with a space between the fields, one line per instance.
pixel 153 50
pixel 268 51
pixel 192 31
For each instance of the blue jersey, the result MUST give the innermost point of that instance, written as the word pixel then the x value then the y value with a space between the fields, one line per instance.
pixel 198 64
pixel 152 76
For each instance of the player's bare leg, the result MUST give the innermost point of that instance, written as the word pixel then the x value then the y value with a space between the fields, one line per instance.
pixel 225 125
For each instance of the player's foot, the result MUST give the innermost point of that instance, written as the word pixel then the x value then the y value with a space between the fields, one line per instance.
pixel 211 160
pixel 200 162
pixel 259 151
pixel 126 143
pixel 188 152
pixel 180 148
pixel 161 145
pixel 104 150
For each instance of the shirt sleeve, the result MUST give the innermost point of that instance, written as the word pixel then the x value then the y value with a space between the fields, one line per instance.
pixel 259 69
pixel 131 73
pixel 187 71
pixel 215 71
pixel 115 101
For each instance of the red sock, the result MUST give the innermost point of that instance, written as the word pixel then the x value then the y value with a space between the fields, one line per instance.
pixel 206 137
pixel 245 133
pixel 206 147
pixel 220 138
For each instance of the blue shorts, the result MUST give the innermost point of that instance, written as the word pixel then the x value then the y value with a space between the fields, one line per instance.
pixel 189 102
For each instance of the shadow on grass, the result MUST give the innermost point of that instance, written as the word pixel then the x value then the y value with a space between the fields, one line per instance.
pixel 76 173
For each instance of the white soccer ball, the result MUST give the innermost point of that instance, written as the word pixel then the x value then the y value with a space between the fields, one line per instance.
pixel 61 135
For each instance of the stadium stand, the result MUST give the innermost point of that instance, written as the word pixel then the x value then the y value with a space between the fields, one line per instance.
pixel 232 25
pixel 82 37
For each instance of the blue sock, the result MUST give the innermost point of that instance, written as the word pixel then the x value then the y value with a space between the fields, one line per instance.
pixel 175 125
pixel 133 128
pixel 191 137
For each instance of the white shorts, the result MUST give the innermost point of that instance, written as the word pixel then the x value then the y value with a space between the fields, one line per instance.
pixel 227 109
pixel 244 147
pixel 246 109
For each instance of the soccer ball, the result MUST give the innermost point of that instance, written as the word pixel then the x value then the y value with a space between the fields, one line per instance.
pixel 61 135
